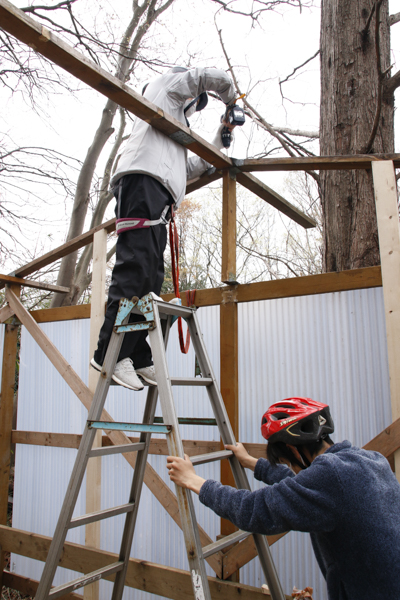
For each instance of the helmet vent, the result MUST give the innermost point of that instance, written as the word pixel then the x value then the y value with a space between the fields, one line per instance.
pixel 278 416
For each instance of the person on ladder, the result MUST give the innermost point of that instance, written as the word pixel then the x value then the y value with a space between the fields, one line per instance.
pixel 347 498
pixel 150 179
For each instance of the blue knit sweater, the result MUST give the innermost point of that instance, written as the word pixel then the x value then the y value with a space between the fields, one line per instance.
pixel 348 499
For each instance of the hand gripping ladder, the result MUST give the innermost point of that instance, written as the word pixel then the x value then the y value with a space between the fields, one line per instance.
pixel 154 311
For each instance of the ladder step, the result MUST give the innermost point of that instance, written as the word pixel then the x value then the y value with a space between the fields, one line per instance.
pixel 117 449
pixel 166 309
pixel 139 427
pixel 99 515
pixel 210 457
pixel 189 421
pixel 75 584
pixel 225 542
pixel 191 381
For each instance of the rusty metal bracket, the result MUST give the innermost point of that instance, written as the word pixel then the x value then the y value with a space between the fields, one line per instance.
pixel 144 305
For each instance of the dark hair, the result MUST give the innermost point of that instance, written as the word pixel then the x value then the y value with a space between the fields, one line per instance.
pixel 278 450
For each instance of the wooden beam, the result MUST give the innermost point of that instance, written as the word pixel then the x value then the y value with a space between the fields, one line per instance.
pixel 387 442
pixel 93 469
pixel 324 283
pixel 5 313
pixel 242 553
pixel 10 351
pixel 229 369
pixel 156 485
pixel 228 270
pixel 316 163
pixel 27 586
pixel 387 212
pixel 47 43
pixel 229 378
pixel 32 284
pixel 142 575
pixel 72 440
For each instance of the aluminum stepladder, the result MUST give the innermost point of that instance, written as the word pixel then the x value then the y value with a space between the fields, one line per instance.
pixel 158 316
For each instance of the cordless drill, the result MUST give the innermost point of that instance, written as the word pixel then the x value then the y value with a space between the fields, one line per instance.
pixel 234 115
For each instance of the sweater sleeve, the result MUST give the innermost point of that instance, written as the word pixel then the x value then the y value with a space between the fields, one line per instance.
pixel 310 501
pixel 195 81
pixel 269 474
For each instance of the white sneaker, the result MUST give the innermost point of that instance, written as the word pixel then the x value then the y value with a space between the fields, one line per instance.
pixel 148 374
pixel 124 374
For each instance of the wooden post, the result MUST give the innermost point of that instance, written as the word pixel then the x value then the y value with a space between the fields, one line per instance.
pixel 10 350
pixel 228 274
pixel 229 325
pixel 93 471
pixel 389 246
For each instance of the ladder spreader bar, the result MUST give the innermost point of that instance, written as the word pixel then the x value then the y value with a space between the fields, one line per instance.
pixel 116 449
pixel 225 542
pixel 111 425
pixel 210 457
pixel 99 515
pixel 75 584
pixel 191 381
pixel 190 421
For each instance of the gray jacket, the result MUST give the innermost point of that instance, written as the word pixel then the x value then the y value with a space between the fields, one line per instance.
pixel 151 152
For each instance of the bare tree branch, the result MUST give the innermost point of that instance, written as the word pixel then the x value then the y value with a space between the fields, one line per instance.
pixel 297 68
pixel 394 18
pixel 258 7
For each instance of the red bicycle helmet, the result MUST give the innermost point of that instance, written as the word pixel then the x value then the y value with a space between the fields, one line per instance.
pixel 296 421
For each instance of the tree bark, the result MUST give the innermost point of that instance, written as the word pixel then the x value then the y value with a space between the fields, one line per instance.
pixel 354 58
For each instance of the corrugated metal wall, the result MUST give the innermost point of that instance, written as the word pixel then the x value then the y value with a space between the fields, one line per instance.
pixel 330 347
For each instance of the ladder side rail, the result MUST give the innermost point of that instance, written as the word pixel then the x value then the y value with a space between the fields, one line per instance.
pixel 134 496
pixel 78 471
pixel 175 448
pixel 137 480
pixel 228 437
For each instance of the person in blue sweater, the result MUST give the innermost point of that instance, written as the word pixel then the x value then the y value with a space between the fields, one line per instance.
pixel 348 499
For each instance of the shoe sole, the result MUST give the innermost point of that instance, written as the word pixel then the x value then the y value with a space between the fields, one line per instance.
pixel 115 378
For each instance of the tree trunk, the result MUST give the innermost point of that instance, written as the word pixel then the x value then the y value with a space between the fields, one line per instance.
pixel 352 100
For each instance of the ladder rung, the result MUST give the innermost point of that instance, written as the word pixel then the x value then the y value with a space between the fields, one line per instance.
pixel 139 427
pixel 75 584
pixel 99 515
pixel 210 457
pixel 225 542
pixel 117 449
pixel 191 381
pixel 189 421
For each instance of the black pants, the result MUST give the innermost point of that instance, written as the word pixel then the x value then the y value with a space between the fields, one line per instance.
pixel 139 264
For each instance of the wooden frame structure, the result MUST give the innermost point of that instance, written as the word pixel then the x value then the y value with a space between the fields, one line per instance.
pixel 146 576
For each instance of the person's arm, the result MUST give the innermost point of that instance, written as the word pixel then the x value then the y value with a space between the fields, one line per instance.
pixel 193 82
pixel 310 501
